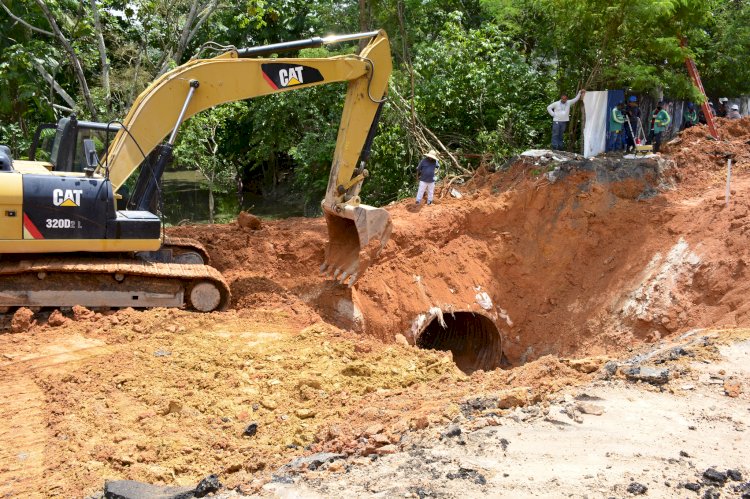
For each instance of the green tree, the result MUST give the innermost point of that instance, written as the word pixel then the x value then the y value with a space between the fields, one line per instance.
pixel 600 44
pixel 199 148
pixel 724 59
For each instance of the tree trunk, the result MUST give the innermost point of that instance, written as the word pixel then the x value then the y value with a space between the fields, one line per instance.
pixel 363 22
pixel 207 11
pixel 195 18
pixel 240 189
pixel 102 56
pixel 211 201
pixel 186 28
pixel 75 62
pixel 134 87
pixel 407 57
pixel 55 86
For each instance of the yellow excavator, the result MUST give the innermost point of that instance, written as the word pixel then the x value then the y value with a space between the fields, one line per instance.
pixel 66 239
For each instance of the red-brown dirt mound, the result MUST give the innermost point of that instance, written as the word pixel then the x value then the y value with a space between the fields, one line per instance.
pixel 699 157
pixel 606 256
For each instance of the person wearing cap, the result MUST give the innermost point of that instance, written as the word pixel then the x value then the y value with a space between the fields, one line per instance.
pixel 426 173
pixel 701 115
pixel 722 110
pixel 689 116
pixel 632 123
pixel 734 112
pixel 616 120
pixel 560 112
pixel 661 122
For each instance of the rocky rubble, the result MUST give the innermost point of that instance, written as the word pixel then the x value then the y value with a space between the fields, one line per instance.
pixel 522 450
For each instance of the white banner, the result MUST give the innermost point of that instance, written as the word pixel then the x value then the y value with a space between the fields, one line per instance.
pixel 595 129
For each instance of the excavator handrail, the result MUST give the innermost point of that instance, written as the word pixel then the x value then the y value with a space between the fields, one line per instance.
pixel 313 42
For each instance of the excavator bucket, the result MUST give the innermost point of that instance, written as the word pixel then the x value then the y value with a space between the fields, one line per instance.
pixel 352 238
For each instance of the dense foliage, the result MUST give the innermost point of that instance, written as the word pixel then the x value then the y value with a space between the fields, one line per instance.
pixel 473 76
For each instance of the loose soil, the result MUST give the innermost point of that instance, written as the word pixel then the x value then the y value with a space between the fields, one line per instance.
pixel 594 440
pixel 610 257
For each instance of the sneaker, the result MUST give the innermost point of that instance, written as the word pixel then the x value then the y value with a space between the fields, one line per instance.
pixel 417 202
pixel 429 202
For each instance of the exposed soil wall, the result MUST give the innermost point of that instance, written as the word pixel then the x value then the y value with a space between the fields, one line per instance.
pixel 608 254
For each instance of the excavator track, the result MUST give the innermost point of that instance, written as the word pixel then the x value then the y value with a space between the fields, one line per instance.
pixel 183 247
pixel 97 282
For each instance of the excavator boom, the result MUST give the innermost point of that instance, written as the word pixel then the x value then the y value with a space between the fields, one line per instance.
pixel 204 83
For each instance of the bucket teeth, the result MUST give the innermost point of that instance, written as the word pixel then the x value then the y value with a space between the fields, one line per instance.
pixel 352 280
pixel 351 230
pixel 323 268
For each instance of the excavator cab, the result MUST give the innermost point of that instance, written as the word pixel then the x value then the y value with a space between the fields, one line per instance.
pixel 65 150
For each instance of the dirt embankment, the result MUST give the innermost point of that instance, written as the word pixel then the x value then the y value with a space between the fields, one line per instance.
pixel 702 160
pixel 594 261
pixel 609 255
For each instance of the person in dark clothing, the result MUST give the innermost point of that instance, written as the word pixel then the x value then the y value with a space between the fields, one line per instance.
pixel 652 121
pixel 426 172
pixel 632 122
pixel 722 111
pixel 661 123
pixel 689 116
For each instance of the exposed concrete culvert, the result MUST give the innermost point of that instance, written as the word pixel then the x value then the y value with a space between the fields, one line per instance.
pixel 473 338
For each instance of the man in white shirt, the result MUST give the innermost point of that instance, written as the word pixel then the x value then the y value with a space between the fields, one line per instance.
pixel 560 112
pixel 734 112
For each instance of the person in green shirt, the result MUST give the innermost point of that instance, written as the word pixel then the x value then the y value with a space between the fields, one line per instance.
pixel 689 116
pixel 661 122
pixel 616 120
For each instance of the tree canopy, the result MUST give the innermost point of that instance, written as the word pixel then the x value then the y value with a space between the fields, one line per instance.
pixel 472 76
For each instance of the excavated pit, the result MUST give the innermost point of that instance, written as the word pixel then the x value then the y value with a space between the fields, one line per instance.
pixel 565 256
pixel 517 270
pixel 473 339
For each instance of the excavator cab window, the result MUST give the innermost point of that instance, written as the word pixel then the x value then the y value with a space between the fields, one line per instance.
pixel 65 149
pixel 97 137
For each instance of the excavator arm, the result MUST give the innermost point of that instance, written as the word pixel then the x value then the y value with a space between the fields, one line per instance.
pixel 236 75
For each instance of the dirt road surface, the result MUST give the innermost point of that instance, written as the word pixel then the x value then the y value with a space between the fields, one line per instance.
pixel 596 440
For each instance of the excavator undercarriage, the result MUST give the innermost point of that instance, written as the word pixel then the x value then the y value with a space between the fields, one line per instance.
pixel 178 275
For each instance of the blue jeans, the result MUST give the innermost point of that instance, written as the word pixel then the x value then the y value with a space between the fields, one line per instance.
pixel 558 130
pixel 615 141
pixel 629 139
pixel 657 141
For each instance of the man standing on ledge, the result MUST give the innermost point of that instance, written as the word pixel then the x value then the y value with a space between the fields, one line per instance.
pixel 426 174
pixel 560 112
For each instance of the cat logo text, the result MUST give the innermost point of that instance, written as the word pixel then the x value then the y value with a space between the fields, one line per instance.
pixel 67 197
pixel 290 77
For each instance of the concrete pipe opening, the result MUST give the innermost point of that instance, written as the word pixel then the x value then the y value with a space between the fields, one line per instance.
pixel 473 339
